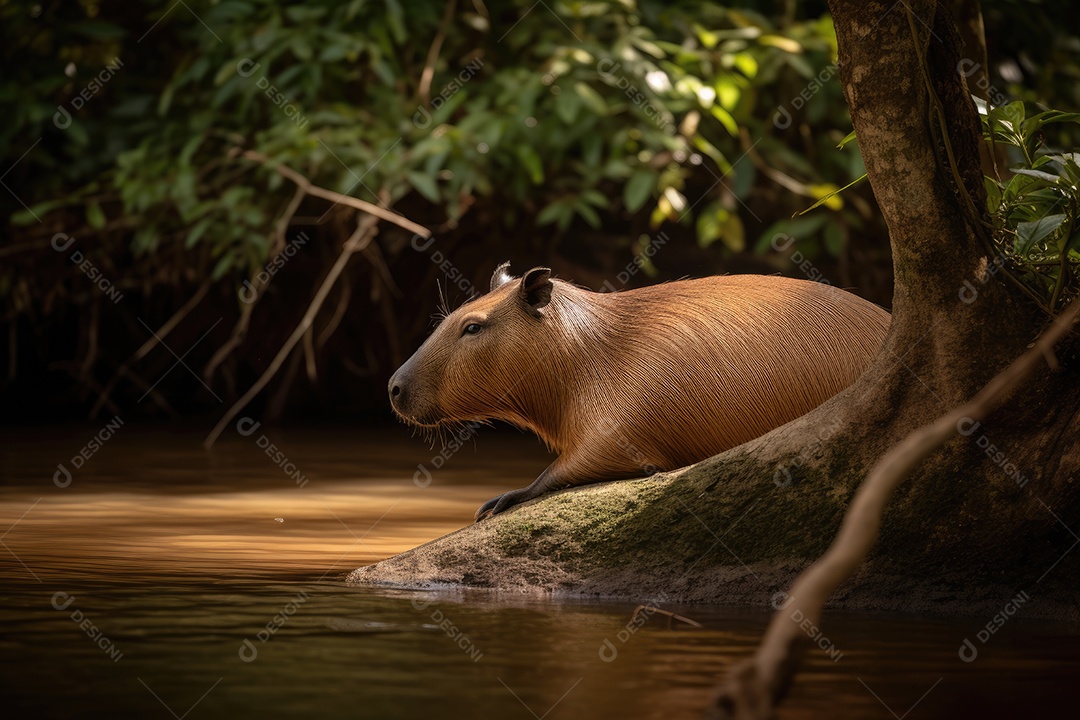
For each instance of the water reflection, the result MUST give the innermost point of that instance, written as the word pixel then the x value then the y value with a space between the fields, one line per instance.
pixel 165 581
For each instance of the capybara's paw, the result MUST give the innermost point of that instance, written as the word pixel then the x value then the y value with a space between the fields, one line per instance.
pixel 487 509
pixel 499 504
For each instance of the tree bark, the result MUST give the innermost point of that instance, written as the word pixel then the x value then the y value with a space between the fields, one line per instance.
pixel 967 531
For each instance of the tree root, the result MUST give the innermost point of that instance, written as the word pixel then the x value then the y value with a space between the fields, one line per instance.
pixel 104 397
pixel 366 229
pixel 754 687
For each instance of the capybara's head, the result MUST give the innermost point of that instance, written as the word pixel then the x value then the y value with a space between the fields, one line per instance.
pixel 473 364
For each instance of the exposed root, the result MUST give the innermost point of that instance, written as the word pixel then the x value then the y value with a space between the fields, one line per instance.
pixel 755 687
pixel 366 229
pixel 104 397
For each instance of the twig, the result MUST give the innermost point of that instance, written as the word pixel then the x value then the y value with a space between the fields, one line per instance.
pixel 91 341
pixel 285 219
pixel 365 231
pixel 309 356
pixel 426 76
pixel 344 296
pixel 239 331
pixel 150 344
pixel 337 197
pixel 13 350
pixel 755 686
pixel 671 616
pixel 275 406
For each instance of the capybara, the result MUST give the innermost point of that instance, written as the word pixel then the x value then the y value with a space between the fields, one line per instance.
pixel 630 383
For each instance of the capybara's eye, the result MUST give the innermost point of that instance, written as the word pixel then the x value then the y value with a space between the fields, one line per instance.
pixel 471 329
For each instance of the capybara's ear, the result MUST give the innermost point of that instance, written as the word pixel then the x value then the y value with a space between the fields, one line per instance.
pixel 501 276
pixel 536 289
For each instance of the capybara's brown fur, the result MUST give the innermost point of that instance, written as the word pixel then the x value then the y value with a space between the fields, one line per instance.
pixel 629 383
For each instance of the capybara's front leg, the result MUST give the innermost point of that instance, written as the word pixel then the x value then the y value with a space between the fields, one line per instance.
pixel 549 480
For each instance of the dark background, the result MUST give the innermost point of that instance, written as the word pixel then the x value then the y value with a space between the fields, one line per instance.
pixel 505 131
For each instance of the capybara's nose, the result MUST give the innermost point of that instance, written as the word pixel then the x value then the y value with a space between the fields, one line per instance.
pixel 395 389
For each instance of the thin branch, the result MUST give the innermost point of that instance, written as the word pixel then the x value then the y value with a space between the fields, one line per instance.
pixel 91 341
pixel 150 344
pixel 756 686
pixel 344 296
pixel 670 615
pixel 365 231
pixel 285 219
pixel 433 54
pixel 239 331
pixel 311 189
pixel 309 356
pixel 13 349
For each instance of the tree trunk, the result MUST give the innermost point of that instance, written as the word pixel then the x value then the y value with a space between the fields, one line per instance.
pixel 992 513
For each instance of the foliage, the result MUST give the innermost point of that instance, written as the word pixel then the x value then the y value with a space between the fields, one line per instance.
pixel 566 128
pixel 616 110
pixel 1036 210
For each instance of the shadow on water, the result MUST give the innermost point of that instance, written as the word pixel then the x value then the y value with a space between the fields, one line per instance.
pixel 161 580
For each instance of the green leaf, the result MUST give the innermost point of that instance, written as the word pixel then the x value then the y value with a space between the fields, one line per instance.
pixel 26 217
pixel 567 106
pixel 98 29
pixel 425 185
pixel 532 163
pixel 829 196
pixel 725 119
pixel 589 214
pixel 1029 233
pixel 993 194
pixel 638 188
pixel 559 211
pixel 716 222
pixel 835 236
pixel 1049 177
pixel 197 232
pixel 95 218
pixel 847 138
pixel 1015 112
pixel 1036 122
pixel 591 98
pixel 224 264
pixel 799 228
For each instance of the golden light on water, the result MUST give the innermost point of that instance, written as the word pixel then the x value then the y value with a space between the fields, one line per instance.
pixel 333 530
pixel 164 506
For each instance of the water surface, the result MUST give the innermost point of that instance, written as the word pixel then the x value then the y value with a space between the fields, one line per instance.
pixel 160 580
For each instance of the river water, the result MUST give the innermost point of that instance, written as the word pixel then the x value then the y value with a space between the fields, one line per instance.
pixel 148 578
